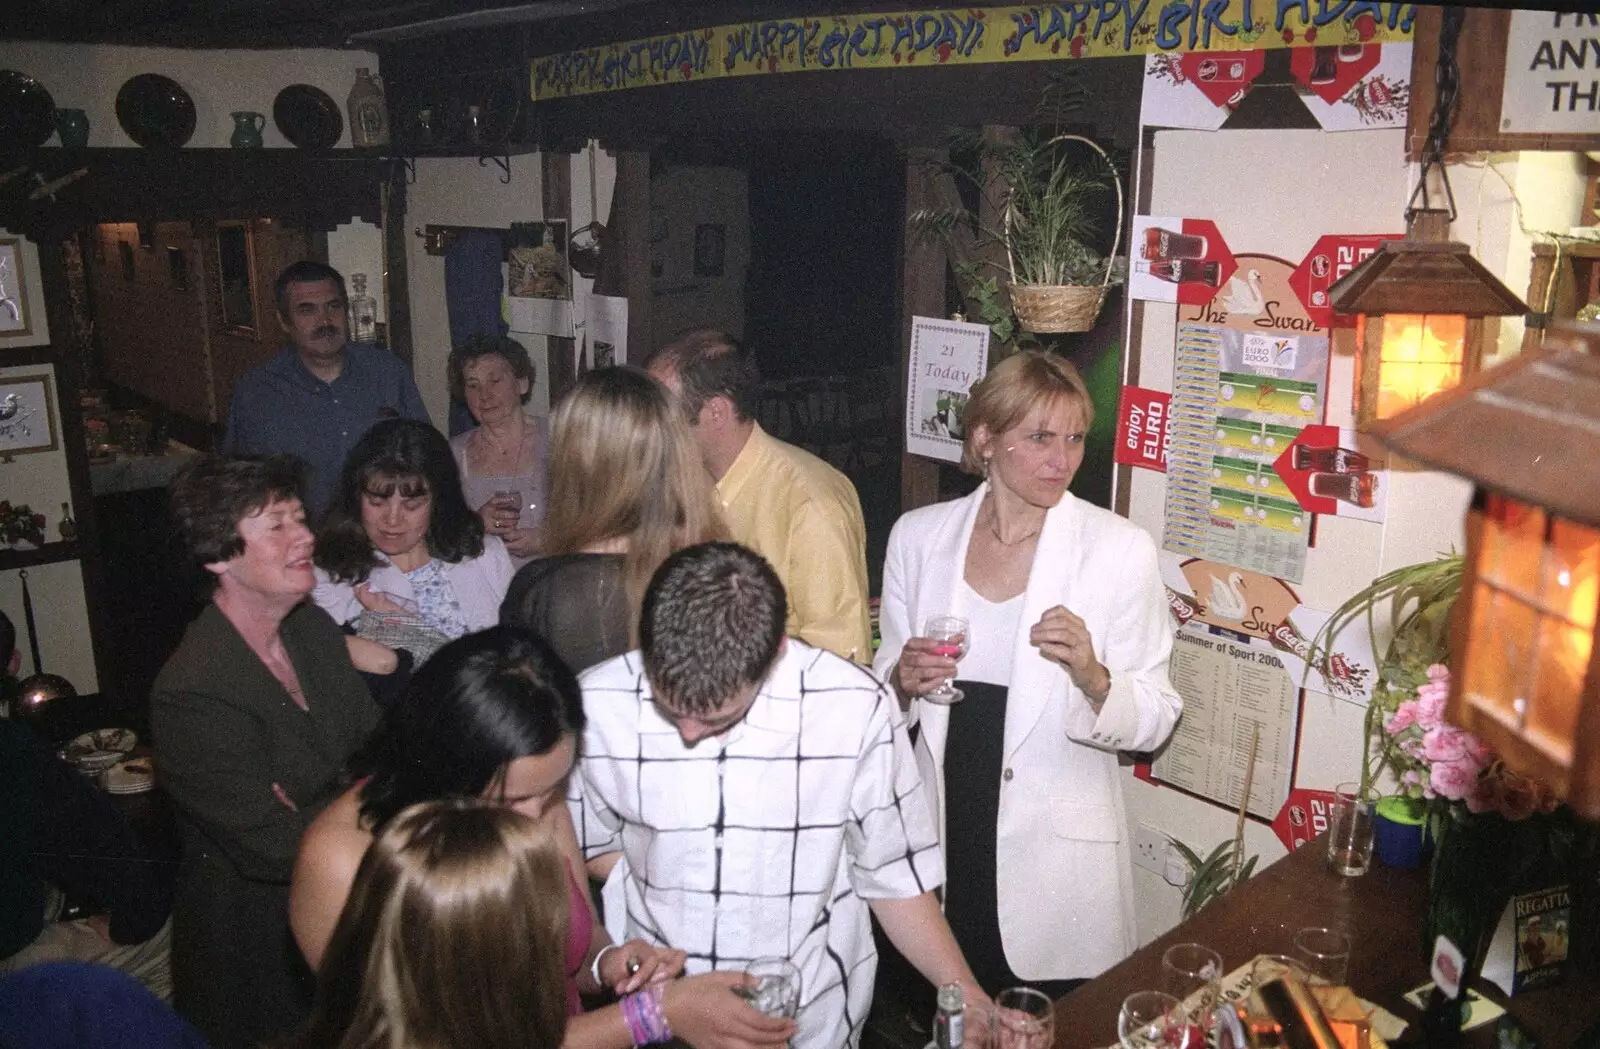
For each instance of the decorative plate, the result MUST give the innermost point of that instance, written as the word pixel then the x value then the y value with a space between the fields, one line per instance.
pixel 130 776
pixel 27 112
pixel 308 117
pixel 97 751
pixel 155 111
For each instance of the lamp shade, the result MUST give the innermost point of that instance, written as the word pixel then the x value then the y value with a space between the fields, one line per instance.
pixel 1525 668
pixel 1419 306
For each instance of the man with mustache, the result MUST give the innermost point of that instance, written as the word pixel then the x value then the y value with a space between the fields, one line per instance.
pixel 319 395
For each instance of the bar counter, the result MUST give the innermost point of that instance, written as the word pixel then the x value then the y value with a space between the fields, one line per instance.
pixel 1382 911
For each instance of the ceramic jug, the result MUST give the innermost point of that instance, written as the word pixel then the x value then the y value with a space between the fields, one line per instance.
pixel 73 127
pixel 247 130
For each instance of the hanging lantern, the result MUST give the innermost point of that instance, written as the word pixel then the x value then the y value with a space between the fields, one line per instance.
pixel 1419 305
pixel 1525 677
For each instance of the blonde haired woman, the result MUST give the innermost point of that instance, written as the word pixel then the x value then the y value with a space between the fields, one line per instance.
pixel 1066 665
pixel 453 937
pixel 626 491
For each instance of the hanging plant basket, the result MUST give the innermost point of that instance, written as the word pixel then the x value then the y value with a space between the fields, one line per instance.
pixel 1053 308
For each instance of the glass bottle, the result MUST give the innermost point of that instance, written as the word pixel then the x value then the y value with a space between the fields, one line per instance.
pixel 949 1019
pixel 369 117
pixel 363 311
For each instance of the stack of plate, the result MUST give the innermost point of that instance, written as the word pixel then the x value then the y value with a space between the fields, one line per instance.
pixel 129 776
pixel 94 752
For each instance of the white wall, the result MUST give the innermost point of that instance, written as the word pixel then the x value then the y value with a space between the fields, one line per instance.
pixel 461 192
pixel 1338 183
pixel 357 247
pixel 88 77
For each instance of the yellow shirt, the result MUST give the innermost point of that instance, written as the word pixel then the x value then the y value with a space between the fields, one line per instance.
pixel 804 517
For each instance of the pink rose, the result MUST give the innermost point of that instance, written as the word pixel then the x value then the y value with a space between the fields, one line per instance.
pixel 1445 744
pixel 1454 779
pixel 1405 715
pixel 1439 672
pixel 1430 708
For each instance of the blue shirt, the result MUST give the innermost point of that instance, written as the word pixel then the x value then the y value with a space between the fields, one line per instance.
pixel 279 406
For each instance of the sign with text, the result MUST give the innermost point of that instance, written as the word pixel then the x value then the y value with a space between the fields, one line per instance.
pixel 1552 83
pixel 947 358
pixel 1329 259
pixel 1303 816
pixel 1144 428
pixel 966 36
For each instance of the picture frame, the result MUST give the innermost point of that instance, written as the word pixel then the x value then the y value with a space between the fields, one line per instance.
pixel 536 260
pixel 236 276
pixel 27 416
pixel 14 319
pixel 710 249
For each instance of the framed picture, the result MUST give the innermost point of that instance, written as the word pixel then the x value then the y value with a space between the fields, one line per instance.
pixel 236 275
pixel 27 416
pixel 536 260
pixel 13 293
pixel 710 244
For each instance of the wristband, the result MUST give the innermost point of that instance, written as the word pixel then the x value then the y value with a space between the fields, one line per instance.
pixel 594 967
pixel 645 1013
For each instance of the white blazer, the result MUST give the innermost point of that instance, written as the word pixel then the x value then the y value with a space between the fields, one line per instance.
pixel 1064 879
pixel 479 583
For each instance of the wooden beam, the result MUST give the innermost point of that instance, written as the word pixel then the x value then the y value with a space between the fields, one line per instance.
pixel 922 273
pixel 556 181
pixel 630 208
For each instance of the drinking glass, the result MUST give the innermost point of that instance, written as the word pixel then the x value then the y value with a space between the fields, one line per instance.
pixel 1350 830
pixel 1324 954
pixel 510 501
pixel 1192 970
pixel 951 632
pixel 1268 967
pixel 1022 1019
pixel 1155 1020
pixel 776 990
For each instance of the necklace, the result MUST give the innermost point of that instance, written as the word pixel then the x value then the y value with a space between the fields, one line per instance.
pixel 1014 542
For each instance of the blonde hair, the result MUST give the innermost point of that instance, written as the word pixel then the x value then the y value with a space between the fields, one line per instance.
pixel 453 937
pixel 1012 389
pixel 623 464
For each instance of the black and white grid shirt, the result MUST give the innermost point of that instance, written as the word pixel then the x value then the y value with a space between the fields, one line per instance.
pixel 767 840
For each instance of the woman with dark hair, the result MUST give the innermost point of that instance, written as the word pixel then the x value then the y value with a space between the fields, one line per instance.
pixel 452 937
pixel 400 554
pixel 502 459
pixel 496 716
pixel 253 717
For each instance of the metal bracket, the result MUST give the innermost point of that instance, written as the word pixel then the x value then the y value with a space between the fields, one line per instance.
pixel 501 161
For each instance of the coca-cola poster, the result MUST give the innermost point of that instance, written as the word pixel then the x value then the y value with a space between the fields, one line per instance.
pixel 1303 817
pixel 1259 608
pixel 1178 260
pixel 1354 86
pixel 1329 470
pixel 1144 428
pixel 1197 89
pixel 1329 259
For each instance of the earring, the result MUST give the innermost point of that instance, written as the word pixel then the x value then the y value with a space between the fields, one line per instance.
pixel 986 466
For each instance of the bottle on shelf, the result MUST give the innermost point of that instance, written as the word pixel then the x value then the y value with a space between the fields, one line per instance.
pixel 369 117
pixel 363 311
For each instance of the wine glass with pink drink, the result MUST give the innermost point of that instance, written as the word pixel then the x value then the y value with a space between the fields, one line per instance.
pixel 950 636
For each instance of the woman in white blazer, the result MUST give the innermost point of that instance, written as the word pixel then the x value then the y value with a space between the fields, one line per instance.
pixel 1066 665
pixel 400 539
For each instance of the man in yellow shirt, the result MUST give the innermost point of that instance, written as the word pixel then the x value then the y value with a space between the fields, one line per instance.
pixel 786 504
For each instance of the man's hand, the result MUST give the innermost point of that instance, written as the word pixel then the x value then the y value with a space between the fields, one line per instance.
pixel 704 1011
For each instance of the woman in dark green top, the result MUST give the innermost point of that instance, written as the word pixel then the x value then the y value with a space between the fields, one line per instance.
pixel 253 718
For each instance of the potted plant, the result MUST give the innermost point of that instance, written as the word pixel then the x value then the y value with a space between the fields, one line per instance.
pixel 1055 281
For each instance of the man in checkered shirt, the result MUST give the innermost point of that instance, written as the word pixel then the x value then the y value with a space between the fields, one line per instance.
pixel 764 794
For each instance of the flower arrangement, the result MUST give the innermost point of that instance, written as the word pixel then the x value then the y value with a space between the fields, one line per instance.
pixel 20 524
pixel 1435 760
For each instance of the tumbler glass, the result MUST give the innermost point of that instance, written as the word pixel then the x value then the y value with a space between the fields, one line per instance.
pixel 1350 830
pixel 1324 954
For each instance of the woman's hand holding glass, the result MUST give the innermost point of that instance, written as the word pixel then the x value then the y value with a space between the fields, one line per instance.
pixel 629 966
pixel 927 663
pixel 1063 638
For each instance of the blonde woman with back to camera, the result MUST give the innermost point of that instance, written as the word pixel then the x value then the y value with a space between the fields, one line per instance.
pixel 1065 665
pixel 627 491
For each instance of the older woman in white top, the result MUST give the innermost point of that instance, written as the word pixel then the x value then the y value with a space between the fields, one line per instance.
pixel 502 459
pixel 400 541
pixel 1065 666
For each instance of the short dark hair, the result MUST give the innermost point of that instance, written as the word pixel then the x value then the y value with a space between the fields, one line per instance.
pixel 306 271
pixel 485 345
pixel 481 702
pixel 711 363
pixel 211 494
pixel 415 457
pixel 711 624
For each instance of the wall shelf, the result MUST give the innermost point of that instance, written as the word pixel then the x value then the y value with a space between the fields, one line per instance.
pixel 50 553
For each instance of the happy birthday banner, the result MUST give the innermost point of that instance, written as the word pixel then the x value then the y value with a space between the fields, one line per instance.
pixel 968 36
